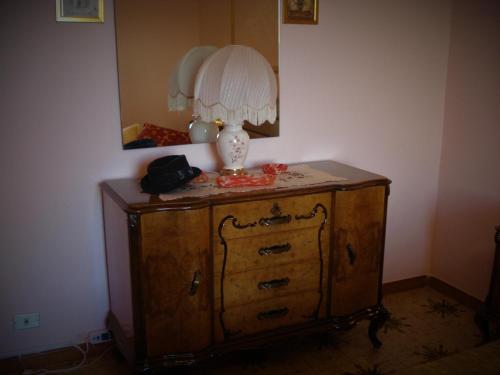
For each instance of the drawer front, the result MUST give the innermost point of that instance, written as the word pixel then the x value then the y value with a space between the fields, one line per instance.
pixel 268 216
pixel 249 253
pixel 249 287
pixel 267 315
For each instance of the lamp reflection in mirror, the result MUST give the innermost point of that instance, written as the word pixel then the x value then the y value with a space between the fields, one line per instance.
pixel 235 84
pixel 181 91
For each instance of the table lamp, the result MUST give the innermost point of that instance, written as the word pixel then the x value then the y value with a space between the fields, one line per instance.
pixel 233 85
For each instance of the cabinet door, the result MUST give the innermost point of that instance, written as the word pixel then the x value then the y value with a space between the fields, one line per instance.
pixel 175 281
pixel 357 251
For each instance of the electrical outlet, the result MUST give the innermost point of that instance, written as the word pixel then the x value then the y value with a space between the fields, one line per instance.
pixel 98 337
pixel 26 321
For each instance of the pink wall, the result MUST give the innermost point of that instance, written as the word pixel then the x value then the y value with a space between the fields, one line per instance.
pixel 366 87
pixel 469 184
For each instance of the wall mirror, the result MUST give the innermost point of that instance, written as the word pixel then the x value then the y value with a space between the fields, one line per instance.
pixel 152 36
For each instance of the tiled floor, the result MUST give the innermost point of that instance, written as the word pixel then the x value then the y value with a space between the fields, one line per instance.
pixel 424 325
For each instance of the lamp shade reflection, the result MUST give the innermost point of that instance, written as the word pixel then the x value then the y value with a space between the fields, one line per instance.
pixel 181 90
pixel 182 77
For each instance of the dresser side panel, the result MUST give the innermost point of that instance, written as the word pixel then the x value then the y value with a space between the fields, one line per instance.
pixel 118 264
pixel 494 294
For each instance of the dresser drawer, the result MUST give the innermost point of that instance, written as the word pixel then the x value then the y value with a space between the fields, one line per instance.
pixel 269 314
pixel 273 249
pixel 268 216
pixel 249 287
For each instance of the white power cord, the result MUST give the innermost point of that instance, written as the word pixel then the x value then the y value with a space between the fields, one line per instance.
pixel 79 366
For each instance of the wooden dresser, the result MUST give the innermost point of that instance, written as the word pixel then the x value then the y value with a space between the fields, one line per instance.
pixel 193 278
pixel 489 314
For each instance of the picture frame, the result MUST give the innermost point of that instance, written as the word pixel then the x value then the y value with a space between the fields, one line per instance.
pixel 300 11
pixel 80 11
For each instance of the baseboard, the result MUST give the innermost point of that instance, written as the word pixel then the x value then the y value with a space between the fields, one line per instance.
pixel 404 285
pixel 452 292
pixel 56 358
pixel 432 282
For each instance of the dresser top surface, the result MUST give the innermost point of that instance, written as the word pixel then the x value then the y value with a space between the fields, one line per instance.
pixel 127 192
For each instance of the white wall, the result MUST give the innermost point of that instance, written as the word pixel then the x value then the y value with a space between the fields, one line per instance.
pixel 365 87
pixel 469 185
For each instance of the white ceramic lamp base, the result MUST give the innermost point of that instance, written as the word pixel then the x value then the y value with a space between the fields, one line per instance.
pixel 232 144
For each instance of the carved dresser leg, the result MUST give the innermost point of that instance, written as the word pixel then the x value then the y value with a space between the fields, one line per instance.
pixel 376 323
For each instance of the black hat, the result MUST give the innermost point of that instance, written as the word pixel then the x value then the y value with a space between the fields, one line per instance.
pixel 168 173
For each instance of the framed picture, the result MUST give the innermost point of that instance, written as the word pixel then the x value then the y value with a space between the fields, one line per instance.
pixel 300 11
pixel 80 10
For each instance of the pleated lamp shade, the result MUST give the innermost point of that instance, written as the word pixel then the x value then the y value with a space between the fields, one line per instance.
pixel 182 78
pixel 235 84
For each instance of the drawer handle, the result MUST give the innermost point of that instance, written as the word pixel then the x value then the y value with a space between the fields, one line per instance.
pixel 273 283
pixel 195 283
pixel 272 314
pixel 275 220
pixel 351 254
pixel 276 249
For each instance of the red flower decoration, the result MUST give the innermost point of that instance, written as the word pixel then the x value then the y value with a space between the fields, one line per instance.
pixel 274 168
